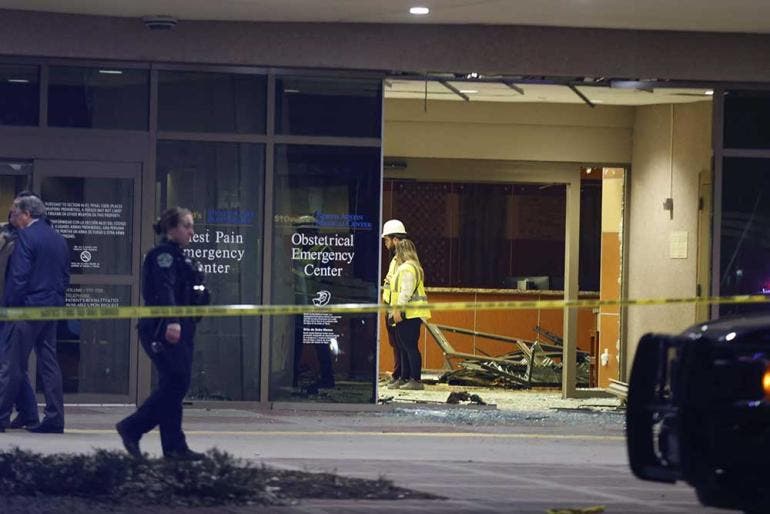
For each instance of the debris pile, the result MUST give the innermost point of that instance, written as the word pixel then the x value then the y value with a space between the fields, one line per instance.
pixel 463 396
pixel 530 363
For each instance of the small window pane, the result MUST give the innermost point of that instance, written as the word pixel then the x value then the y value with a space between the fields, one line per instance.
pixel 211 102
pixel 14 178
pixel 104 98
pixel 746 120
pixel 19 95
pixel 313 106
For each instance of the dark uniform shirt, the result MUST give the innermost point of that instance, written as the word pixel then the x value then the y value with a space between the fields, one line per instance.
pixel 171 278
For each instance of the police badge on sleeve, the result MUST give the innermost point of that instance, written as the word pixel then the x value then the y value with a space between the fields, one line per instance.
pixel 164 260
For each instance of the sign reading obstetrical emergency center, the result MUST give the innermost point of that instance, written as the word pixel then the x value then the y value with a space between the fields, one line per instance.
pixel 324 254
pixel 322 263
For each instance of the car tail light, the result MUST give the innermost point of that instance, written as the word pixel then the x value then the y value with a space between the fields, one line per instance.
pixel 766 382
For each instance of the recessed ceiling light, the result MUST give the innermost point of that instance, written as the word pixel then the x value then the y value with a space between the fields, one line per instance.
pixel 419 11
pixel 19 81
pixel 469 91
pixel 709 92
pixel 291 90
pixel 111 72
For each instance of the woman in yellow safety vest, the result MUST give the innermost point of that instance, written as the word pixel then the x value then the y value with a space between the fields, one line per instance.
pixel 407 294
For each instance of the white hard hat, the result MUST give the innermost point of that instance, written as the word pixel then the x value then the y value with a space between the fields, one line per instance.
pixel 392 227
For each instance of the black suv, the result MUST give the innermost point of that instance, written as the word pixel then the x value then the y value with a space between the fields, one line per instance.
pixel 699 411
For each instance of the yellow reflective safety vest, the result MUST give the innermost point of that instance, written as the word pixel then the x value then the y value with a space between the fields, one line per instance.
pixel 388 282
pixel 418 295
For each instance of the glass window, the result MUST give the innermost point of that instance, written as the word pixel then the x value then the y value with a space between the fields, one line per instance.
pixel 222 183
pixel 744 249
pixel 94 354
pixel 103 98
pixel 14 178
pixel 746 114
pixel 589 268
pixel 211 102
pixel 19 95
pixel 95 216
pixel 325 251
pixel 313 106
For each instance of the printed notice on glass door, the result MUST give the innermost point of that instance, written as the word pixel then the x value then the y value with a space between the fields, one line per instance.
pixel 94 216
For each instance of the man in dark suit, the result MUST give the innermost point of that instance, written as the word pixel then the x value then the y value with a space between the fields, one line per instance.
pixel 37 276
pixel 26 403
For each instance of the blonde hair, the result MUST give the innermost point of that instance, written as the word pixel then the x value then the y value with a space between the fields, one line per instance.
pixel 407 252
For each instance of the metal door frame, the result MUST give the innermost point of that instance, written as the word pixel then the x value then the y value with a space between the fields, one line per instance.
pixel 43 168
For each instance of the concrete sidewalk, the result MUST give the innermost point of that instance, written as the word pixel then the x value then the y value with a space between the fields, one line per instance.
pixel 480 460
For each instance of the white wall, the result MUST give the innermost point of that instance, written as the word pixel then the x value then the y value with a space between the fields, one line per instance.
pixel 651 272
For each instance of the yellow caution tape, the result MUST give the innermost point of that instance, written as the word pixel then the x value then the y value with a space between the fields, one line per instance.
pixel 584 510
pixel 219 311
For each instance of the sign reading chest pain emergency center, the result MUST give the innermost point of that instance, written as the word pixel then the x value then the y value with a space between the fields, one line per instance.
pixel 219 244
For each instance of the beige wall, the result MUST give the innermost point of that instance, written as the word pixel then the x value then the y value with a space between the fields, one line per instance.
pixel 652 272
pixel 508 131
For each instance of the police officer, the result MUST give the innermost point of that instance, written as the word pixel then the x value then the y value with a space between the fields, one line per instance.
pixel 168 278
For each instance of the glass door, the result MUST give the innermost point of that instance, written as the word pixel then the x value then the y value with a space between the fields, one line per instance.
pixel 96 207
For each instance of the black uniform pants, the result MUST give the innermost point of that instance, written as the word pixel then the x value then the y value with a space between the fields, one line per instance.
pixel 19 339
pixel 393 341
pixel 163 408
pixel 408 335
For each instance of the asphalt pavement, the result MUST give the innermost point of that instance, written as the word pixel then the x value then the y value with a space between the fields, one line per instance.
pixel 479 460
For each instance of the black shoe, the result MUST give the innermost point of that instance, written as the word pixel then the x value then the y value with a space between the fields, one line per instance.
pixel 18 422
pixel 130 443
pixel 185 455
pixel 44 428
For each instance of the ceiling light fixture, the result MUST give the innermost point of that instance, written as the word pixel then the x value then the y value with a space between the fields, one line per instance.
pixel 19 81
pixel 419 11
pixel 709 92
pixel 469 91
pixel 111 72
